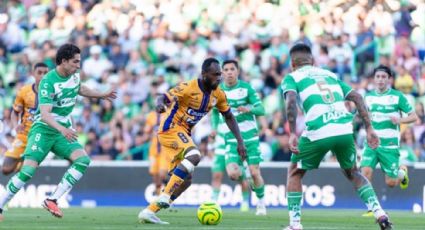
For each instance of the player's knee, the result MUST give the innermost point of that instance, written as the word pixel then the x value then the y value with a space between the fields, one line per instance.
pixel 194 156
pixel 83 161
pixel 391 183
pixel 255 173
pixel 235 175
pixel 6 170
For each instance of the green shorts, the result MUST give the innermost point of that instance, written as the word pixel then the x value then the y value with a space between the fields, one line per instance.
pixel 43 139
pixel 388 158
pixel 312 152
pixel 253 154
pixel 219 163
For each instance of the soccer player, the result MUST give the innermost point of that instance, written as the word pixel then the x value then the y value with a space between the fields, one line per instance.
pixel 328 128
pixel 52 128
pixel 158 159
pixel 186 104
pixel 24 107
pixel 245 105
pixel 385 105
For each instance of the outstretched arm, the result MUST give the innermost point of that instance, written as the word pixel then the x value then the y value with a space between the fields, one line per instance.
pixel 91 93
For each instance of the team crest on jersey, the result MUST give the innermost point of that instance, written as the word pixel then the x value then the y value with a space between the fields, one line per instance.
pixel 214 101
pixel 391 99
pixel 75 79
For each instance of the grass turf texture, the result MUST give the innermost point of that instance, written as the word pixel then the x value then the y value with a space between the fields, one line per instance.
pixel 185 219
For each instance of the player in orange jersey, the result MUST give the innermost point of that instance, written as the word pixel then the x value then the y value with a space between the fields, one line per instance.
pixel 186 104
pixel 24 107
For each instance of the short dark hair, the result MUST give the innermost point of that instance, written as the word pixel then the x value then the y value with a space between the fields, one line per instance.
pixel 67 52
pixel 385 69
pixel 300 48
pixel 231 61
pixel 40 64
pixel 207 63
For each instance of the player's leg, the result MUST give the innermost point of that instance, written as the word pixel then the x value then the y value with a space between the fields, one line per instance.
pixel 9 165
pixel 394 174
pixel 254 159
pixel 12 158
pixel 154 172
pixel 80 161
pixel 217 171
pixel 246 190
pixel 368 164
pixel 39 144
pixel 345 151
pixel 309 157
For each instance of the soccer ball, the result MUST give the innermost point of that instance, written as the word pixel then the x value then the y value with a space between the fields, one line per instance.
pixel 209 213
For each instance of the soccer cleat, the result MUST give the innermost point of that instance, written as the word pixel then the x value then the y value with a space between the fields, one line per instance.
pixel 261 209
pixel 244 206
pixel 385 223
pixel 1 215
pixel 369 213
pixel 146 216
pixel 52 207
pixel 405 182
pixel 163 201
pixel 299 227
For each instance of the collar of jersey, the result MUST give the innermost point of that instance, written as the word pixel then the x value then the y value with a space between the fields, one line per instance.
pixel 384 93
pixel 231 87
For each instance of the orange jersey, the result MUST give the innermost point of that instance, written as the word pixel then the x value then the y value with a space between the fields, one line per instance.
pixel 153 120
pixel 27 99
pixel 190 103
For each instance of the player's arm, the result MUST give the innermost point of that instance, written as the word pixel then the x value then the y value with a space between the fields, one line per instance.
pixel 91 93
pixel 373 140
pixel 224 108
pixel 162 103
pixel 175 94
pixel 289 89
pixel 46 117
pixel 17 113
pixel 215 117
pixel 256 107
pixel 405 106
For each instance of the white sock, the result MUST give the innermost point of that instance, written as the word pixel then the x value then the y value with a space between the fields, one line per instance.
pixel 65 185
pixel 401 174
pixel 295 218
pixel 8 195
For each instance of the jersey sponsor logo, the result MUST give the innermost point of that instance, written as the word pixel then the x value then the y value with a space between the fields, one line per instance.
pixel 333 116
pixel 66 102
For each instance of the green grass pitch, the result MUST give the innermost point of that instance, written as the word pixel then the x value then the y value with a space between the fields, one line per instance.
pixel 185 219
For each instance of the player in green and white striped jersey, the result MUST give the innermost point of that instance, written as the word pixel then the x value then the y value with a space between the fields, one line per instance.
pixel 328 128
pixel 52 129
pixel 385 106
pixel 245 106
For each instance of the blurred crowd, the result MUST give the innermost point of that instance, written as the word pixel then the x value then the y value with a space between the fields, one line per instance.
pixel 144 47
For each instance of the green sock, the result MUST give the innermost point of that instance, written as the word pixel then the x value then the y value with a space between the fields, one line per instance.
pixel 215 194
pixel 368 196
pixel 259 191
pixel 245 196
pixel 74 173
pixel 294 207
pixel 16 183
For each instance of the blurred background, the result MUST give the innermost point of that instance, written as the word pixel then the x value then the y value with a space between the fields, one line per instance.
pixel 146 47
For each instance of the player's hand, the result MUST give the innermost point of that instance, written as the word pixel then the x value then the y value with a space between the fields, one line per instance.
pixel 69 134
pixel 372 138
pixel 293 143
pixel 395 120
pixel 242 151
pixel 109 95
pixel 213 134
pixel 160 108
pixel 20 128
pixel 243 109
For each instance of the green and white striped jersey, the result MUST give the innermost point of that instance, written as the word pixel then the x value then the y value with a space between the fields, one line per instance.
pixel 241 94
pixel 322 98
pixel 61 93
pixel 382 107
